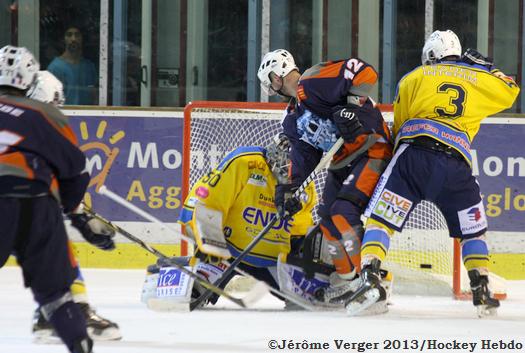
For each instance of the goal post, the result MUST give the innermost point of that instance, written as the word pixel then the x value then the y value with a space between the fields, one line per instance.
pixel 423 258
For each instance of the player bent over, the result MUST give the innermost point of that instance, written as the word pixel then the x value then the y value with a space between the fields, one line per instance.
pixel 437 113
pixel 48 89
pixel 330 100
pixel 40 164
pixel 230 205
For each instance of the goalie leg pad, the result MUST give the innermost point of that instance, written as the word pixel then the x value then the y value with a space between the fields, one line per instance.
pixel 168 289
pixel 293 281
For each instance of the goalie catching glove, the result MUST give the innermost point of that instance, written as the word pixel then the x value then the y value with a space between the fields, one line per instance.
pixel 92 229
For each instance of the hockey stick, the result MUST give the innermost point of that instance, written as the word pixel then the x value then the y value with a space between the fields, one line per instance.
pixel 244 303
pixel 256 293
pixel 103 190
pixel 323 163
pixel 277 292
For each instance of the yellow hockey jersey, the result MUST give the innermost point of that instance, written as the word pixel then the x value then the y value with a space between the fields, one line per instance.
pixel 242 188
pixel 448 101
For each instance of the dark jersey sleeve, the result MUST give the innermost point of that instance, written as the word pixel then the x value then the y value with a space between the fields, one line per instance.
pixel 304 157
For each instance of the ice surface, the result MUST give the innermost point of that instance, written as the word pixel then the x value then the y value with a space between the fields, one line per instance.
pixel 225 328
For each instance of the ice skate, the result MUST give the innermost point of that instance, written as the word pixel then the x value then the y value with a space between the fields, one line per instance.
pixel 482 299
pixel 370 291
pixel 99 328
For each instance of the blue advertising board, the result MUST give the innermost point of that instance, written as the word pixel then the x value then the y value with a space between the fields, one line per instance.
pixel 499 165
pixel 137 157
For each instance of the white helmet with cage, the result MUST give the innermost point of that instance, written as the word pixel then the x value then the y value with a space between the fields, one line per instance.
pixel 278 158
pixel 439 45
pixel 280 62
pixel 18 67
pixel 47 88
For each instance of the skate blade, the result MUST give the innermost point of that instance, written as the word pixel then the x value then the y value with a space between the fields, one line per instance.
pixel 45 337
pixel 484 311
pixel 108 334
pixel 378 308
pixel 363 302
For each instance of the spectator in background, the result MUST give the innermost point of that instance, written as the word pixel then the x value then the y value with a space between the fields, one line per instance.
pixel 78 74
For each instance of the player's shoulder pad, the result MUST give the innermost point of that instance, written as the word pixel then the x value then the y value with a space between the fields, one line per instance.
pixel 238 153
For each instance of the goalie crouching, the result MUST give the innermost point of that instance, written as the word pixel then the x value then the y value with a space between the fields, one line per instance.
pixel 230 206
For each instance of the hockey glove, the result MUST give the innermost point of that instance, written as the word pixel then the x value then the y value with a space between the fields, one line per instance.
pixel 348 124
pixel 93 230
pixel 473 57
pixel 286 204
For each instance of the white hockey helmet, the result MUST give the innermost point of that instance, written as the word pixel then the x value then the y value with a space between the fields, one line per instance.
pixel 278 157
pixel 47 88
pixel 18 67
pixel 280 62
pixel 439 45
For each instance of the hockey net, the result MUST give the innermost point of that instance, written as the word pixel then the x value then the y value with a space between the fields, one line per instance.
pixel 423 258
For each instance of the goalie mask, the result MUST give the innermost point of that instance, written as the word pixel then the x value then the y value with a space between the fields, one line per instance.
pixel 439 45
pixel 278 158
pixel 280 62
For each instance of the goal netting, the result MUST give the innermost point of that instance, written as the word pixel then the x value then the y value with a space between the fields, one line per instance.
pixel 423 258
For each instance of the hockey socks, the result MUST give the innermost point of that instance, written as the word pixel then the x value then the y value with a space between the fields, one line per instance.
pixel 475 254
pixel 376 242
pixel 70 326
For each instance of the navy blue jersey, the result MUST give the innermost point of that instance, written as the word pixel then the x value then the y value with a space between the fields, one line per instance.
pixel 323 88
pixel 304 157
pixel 38 151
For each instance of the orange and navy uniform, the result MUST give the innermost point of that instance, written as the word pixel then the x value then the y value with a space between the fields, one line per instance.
pixel 39 153
pixel 323 90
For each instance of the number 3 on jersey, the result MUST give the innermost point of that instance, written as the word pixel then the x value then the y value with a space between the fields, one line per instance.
pixel 457 98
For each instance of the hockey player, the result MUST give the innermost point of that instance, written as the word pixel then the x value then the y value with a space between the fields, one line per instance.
pixel 230 205
pixel 438 109
pixel 328 101
pixel 48 89
pixel 39 165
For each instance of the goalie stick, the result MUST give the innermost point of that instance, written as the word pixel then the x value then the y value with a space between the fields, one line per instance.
pixel 257 292
pixel 242 302
pixel 323 163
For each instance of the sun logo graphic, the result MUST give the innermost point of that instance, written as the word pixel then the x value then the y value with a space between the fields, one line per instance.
pixel 100 154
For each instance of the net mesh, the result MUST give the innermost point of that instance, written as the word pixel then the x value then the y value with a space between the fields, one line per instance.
pixel 421 257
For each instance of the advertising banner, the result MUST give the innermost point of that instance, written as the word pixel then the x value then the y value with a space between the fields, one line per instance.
pixel 499 165
pixel 136 154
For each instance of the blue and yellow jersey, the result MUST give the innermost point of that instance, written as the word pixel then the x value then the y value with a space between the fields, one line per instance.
pixel 242 188
pixel 448 101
